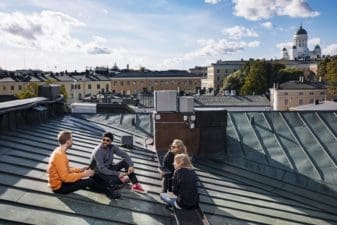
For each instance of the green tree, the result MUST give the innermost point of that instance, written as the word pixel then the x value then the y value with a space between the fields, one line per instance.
pixel 64 92
pixel 30 91
pixel 255 81
pixel 331 76
pixel 234 81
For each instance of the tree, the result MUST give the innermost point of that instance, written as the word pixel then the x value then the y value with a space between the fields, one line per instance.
pixel 255 81
pixel 64 92
pixel 30 91
pixel 234 81
pixel 331 76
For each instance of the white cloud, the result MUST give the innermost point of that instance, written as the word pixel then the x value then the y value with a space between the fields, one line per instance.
pixel 287 45
pixel 265 9
pixel 212 48
pixel 267 25
pixel 313 42
pixel 237 32
pixel 212 1
pixel 48 30
pixel 330 50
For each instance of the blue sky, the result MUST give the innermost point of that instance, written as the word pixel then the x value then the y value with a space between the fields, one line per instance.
pixel 156 34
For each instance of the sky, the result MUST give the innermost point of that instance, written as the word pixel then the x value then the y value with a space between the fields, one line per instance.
pixel 58 35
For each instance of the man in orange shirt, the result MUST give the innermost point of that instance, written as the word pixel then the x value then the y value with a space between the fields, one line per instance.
pixel 62 178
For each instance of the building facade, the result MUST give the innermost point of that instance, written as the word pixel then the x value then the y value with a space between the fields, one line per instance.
pixel 296 93
pixel 217 72
pixel 79 85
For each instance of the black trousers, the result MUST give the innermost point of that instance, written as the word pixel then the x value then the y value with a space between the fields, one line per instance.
pixel 74 186
pixel 167 183
pixel 113 179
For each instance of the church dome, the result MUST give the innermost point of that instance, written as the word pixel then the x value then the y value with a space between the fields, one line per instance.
pixel 301 31
pixel 284 49
pixel 317 47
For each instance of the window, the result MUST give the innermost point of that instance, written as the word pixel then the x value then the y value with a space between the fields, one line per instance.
pixel 311 93
pixel 12 87
pixel 217 71
pixel 322 93
pixel 285 93
pixel 311 101
pixel 89 86
pixel 300 101
pixel 78 86
pixel 98 86
pixel 128 83
pixel 122 83
pixel 301 93
pixel 20 87
pixel 286 101
pixel 4 87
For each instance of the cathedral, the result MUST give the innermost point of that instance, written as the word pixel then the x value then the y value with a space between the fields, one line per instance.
pixel 300 49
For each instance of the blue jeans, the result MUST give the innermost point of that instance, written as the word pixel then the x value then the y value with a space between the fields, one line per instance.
pixel 170 201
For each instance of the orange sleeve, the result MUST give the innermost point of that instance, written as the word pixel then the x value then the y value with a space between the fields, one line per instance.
pixel 61 164
pixel 74 170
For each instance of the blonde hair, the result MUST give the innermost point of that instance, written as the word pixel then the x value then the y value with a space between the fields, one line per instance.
pixel 181 146
pixel 183 161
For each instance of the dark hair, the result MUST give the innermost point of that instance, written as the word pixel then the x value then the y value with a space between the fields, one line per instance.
pixel 64 136
pixel 109 135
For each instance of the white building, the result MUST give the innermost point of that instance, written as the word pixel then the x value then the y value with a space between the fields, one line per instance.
pixel 300 49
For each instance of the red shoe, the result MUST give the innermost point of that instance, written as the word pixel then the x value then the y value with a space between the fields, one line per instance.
pixel 137 187
pixel 124 179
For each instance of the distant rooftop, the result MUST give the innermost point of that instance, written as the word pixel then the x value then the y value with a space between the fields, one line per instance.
pixel 294 85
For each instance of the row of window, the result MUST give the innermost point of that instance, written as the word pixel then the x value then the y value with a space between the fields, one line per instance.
pixel 128 83
pixel 310 93
pixel 300 101
pixel 4 87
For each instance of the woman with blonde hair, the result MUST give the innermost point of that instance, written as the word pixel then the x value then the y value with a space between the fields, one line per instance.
pixel 184 185
pixel 177 147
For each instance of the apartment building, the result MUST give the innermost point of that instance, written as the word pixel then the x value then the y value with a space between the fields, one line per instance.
pixel 296 93
pixel 217 72
pixel 79 85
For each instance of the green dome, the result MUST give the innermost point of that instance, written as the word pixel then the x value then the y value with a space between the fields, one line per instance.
pixel 301 31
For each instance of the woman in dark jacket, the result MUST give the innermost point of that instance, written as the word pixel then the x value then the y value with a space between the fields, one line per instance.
pixel 167 170
pixel 184 185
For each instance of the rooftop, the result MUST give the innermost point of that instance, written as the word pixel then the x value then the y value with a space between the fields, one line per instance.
pixel 279 169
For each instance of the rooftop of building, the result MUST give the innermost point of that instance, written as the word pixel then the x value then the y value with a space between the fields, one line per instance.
pixel 298 85
pixel 279 168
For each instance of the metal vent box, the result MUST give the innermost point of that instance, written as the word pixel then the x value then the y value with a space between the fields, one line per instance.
pixel 127 140
pixel 186 104
pixel 83 108
pixel 165 101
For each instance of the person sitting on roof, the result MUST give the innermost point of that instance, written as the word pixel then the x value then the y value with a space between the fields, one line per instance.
pixel 177 147
pixel 62 178
pixel 102 162
pixel 184 185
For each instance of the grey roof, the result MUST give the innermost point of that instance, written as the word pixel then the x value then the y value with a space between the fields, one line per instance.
pixel 294 85
pixel 6 79
pixel 166 73
pixel 237 101
pixel 279 169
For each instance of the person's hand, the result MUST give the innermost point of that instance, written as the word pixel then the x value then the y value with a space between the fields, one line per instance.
pixel 84 168
pixel 122 174
pixel 131 170
pixel 88 173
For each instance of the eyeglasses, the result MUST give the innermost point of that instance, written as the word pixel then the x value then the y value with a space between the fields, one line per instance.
pixel 173 146
pixel 106 140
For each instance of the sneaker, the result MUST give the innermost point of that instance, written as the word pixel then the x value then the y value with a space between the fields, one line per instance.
pixel 124 179
pixel 137 187
pixel 113 194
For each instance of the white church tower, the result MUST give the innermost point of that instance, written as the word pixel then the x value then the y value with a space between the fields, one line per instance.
pixel 300 49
